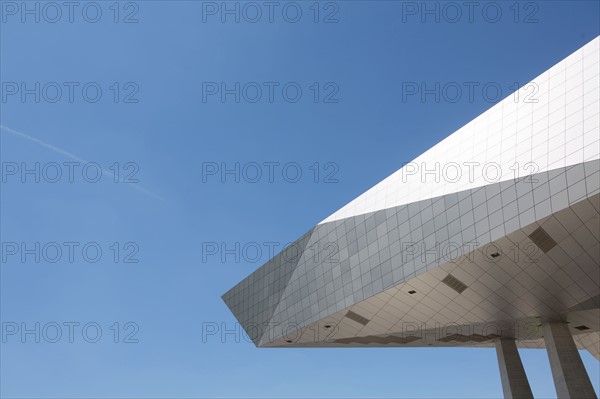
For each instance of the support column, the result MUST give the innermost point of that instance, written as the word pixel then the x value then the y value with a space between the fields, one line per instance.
pixel 514 380
pixel 570 377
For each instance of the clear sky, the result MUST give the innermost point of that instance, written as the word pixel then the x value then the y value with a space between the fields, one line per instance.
pixel 152 141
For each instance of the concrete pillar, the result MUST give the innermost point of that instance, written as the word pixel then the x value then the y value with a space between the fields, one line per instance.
pixel 570 377
pixel 514 380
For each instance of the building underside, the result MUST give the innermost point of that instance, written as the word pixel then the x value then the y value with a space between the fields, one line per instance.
pixel 464 290
pixel 505 262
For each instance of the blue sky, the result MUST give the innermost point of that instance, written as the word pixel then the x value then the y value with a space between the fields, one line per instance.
pixel 149 141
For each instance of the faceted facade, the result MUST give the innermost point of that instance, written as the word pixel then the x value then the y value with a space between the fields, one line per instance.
pixel 491 234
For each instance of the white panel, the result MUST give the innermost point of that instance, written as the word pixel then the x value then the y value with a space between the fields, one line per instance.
pixel 560 128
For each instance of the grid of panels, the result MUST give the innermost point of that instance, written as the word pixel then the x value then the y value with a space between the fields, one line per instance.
pixel 375 250
pixel 551 122
pixel 254 299
pixel 503 291
pixel 590 341
pixel 369 253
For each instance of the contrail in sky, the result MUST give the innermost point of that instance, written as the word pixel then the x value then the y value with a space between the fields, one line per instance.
pixel 73 157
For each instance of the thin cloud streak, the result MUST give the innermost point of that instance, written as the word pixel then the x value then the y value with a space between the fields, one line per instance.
pixel 73 157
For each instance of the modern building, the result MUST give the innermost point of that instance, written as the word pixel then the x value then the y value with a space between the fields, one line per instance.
pixel 489 239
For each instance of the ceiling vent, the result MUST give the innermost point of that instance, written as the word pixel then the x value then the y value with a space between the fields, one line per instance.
pixel 582 328
pixel 357 318
pixel 454 283
pixel 542 239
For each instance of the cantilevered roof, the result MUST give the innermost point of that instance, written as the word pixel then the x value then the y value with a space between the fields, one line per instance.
pixel 490 232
